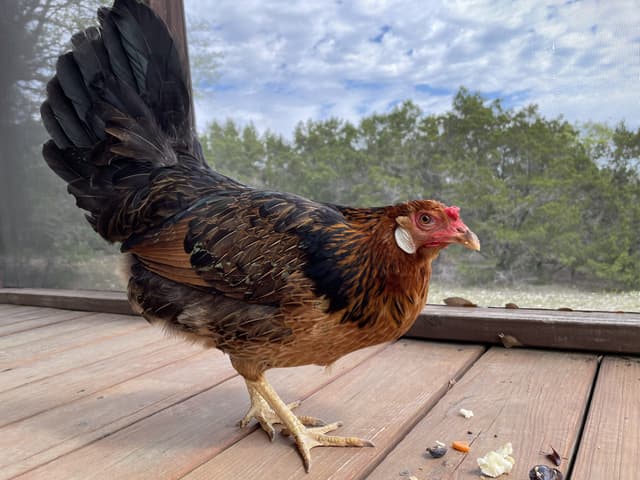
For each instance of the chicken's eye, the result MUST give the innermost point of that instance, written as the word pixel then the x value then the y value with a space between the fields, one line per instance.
pixel 425 219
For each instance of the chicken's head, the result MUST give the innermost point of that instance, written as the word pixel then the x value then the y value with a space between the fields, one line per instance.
pixel 431 224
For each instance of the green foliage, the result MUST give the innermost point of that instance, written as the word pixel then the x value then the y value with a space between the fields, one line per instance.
pixel 549 200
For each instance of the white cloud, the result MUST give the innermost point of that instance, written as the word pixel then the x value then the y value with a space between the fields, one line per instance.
pixel 285 62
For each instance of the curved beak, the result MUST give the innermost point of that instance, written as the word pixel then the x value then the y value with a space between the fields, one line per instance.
pixel 468 239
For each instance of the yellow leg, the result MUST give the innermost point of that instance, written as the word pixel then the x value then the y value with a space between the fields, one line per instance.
pixel 306 438
pixel 266 417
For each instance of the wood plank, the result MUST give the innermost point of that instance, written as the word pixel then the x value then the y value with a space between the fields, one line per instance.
pixel 84 321
pixel 609 447
pixel 530 398
pixel 85 300
pixel 380 400
pixel 590 331
pixel 172 442
pixel 56 432
pixel 26 312
pixel 79 357
pixel 38 321
pixel 36 397
pixel 7 307
pixel 100 326
pixel 21 313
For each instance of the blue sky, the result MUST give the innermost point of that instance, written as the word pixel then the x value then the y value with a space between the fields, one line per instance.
pixel 280 63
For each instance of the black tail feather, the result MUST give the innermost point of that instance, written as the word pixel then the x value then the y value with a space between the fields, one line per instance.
pixel 53 127
pixel 64 113
pixel 155 64
pixel 117 57
pixel 118 110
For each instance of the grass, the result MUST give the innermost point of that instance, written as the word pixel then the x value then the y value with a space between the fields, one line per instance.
pixel 538 296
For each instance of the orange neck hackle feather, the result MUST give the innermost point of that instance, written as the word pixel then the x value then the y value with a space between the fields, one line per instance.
pixel 390 285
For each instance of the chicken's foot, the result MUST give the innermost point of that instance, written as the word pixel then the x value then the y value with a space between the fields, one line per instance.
pixel 306 438
pixel 266 417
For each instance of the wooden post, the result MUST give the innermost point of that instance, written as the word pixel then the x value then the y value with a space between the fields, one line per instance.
pixel 172 12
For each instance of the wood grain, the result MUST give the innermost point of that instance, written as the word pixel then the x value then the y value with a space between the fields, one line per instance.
pixel 6 308
pixel 44 437
pixel 36 320
pixel 75 383
pixel 79 356
pixel 530 398
pixel 611 439
pixel 19 313
pixel 173 441
pixel 380 401
pixel 62 329
pixel 85 330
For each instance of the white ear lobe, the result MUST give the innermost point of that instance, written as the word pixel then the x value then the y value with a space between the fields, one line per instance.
pixel 404 240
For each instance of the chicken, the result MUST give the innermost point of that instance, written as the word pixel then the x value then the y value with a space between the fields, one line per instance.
pixel 272 279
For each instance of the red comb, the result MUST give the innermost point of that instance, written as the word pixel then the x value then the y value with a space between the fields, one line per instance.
pixel 453 213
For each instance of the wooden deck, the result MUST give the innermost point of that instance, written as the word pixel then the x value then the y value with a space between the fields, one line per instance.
pixel 88 395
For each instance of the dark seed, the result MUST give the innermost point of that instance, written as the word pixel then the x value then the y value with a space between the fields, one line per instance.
pixel 554 457
pixel 542 472
pixel 437 451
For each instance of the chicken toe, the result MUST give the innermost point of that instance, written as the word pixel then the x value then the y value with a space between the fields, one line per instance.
pixel 266 417
pixel 306 437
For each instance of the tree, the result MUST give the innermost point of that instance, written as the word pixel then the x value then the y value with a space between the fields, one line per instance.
pixel 550 200
pixel 612 253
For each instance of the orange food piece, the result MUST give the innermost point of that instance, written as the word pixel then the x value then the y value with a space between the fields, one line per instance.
pixel 461 446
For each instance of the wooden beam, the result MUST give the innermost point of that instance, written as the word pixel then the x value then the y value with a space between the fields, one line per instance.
pixel 172 12
pixel 589 331
pixel 83 300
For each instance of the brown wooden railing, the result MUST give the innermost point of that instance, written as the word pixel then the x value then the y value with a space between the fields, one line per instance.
pixel 577 330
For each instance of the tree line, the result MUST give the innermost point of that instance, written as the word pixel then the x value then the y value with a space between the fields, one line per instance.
pixel 550 200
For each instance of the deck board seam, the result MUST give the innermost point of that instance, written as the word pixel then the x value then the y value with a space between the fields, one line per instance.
pixel 427 408
pixel 80 315
pixel 585 417
pixel 4 316
pixel 156 350
pixel 123 427
pixel 37 358
pixel 84 365
pixel 252 428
